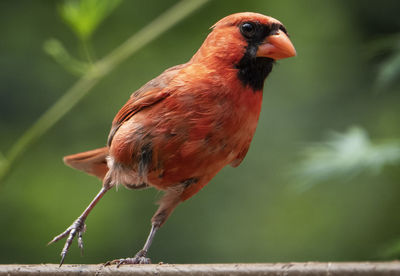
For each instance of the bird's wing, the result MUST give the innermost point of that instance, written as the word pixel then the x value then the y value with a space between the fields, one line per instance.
pixel 151 93
pixel 242 154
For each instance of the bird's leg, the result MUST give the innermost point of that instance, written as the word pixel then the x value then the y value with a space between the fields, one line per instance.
pixel 140 257
pixel 78 226
pixel 167 204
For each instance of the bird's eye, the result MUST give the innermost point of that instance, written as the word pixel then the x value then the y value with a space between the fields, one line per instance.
pixel 248 29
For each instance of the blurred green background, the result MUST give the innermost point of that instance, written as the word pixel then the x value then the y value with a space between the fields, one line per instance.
pixel 301 194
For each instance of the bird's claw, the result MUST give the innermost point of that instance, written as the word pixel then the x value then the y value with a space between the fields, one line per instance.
pixel 80 239
pixel 77 227
pixel 140 258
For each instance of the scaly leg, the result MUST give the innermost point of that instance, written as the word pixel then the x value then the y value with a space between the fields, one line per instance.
pixel 167 204
pixel 78 227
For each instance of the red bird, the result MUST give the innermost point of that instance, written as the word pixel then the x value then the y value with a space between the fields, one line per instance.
pixel 180 129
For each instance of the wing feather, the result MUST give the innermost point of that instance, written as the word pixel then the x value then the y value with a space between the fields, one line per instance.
pixel 151 93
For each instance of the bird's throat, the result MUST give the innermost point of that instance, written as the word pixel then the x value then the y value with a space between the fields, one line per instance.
pixel 252 71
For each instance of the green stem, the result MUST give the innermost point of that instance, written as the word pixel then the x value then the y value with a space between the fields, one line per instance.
pixel 158 26
pixel 99 70
pixel 87 49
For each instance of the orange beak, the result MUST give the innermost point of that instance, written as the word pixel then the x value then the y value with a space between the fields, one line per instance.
pixel 277 46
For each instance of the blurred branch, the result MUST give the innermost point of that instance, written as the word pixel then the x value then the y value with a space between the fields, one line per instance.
pixel 344 155
pixel 98 71
pixel 2 159
pixel 87 49
pixel 57 51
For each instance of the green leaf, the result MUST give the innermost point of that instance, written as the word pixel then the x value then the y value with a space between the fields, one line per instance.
pixel 389 72
pixel 57 51
pixel 344 155
pixel 84 16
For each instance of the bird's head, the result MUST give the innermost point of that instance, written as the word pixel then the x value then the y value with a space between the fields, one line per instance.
pixel 248 42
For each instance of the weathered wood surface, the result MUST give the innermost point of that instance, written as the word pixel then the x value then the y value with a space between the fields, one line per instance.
pixel 281 269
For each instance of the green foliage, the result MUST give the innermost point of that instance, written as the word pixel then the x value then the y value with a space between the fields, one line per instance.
pixel 391 250
pixel 345 155
pixel 56 50
pixel 84 16
pixel 388 73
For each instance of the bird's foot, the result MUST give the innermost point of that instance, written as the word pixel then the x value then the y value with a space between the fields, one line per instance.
pixel 140 258
pixel 77 227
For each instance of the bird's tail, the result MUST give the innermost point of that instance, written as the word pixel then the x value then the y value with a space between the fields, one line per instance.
pixel 92 162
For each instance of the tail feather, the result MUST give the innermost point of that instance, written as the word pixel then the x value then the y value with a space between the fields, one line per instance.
pixel 92 162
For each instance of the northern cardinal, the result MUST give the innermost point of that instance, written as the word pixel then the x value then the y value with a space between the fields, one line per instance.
pixel 180 129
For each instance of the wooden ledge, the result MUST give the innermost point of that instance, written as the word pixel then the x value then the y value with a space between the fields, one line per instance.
pixel 287 269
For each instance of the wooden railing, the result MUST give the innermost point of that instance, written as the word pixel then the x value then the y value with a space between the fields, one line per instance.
pixel 283 269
